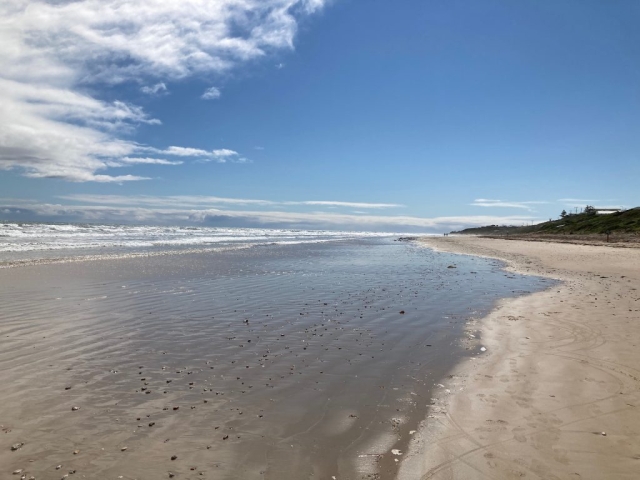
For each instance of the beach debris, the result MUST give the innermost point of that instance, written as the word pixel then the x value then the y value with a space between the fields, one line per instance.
pixel 395 451
pixel 483 349
pixel 17 446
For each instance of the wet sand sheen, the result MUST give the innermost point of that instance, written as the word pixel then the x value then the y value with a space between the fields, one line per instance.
pixel 275 362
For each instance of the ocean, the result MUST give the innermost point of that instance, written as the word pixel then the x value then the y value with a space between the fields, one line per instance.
pixel 48 241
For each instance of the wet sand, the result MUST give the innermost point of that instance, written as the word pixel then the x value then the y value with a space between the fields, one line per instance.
pixel 557 394
pixel 268 363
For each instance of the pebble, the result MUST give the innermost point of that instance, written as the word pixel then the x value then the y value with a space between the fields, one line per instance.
pixel 16 446
pixel 174 457
pixel 123 449
pixel 73 409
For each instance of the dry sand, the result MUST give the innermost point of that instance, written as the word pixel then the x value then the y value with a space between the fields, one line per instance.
pixel 556 394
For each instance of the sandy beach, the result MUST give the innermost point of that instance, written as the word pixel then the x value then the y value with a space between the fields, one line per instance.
pixel 556 393
pixel 297 362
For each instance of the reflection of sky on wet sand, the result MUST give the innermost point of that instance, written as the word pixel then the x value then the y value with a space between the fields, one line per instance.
pixel 297 354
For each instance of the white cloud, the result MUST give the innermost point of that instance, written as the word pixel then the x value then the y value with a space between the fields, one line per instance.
pixel 224 152
pixel 211 93
pixel 124 161
pixel 221 155
pixel 54 52
pixel 211 216
pixel 485 202
pixel 183 152
pixel 201 200
pixel 156 89
pixel 161 202
pixel 577 200
pixel 347 204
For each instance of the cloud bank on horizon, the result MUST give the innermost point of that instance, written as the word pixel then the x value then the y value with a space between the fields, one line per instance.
pixel 56 54
pixel 229 212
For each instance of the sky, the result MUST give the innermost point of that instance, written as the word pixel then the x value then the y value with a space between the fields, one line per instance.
pixel 416 116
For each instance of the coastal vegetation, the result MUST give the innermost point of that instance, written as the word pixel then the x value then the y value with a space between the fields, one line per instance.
pixel 589 222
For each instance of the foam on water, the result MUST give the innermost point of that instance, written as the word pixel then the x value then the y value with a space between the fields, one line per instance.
pixel 34 241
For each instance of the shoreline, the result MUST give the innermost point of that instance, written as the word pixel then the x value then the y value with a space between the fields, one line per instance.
pixel 252 363
pixel 556 392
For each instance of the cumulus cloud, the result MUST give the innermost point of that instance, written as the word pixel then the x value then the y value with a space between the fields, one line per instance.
pixel 55 54
pixel 211 93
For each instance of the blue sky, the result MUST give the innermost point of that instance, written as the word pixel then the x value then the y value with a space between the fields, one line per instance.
pixel 365 115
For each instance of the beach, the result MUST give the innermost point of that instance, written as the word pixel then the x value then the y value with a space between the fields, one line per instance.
pixel 299 361
pixel 556 394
